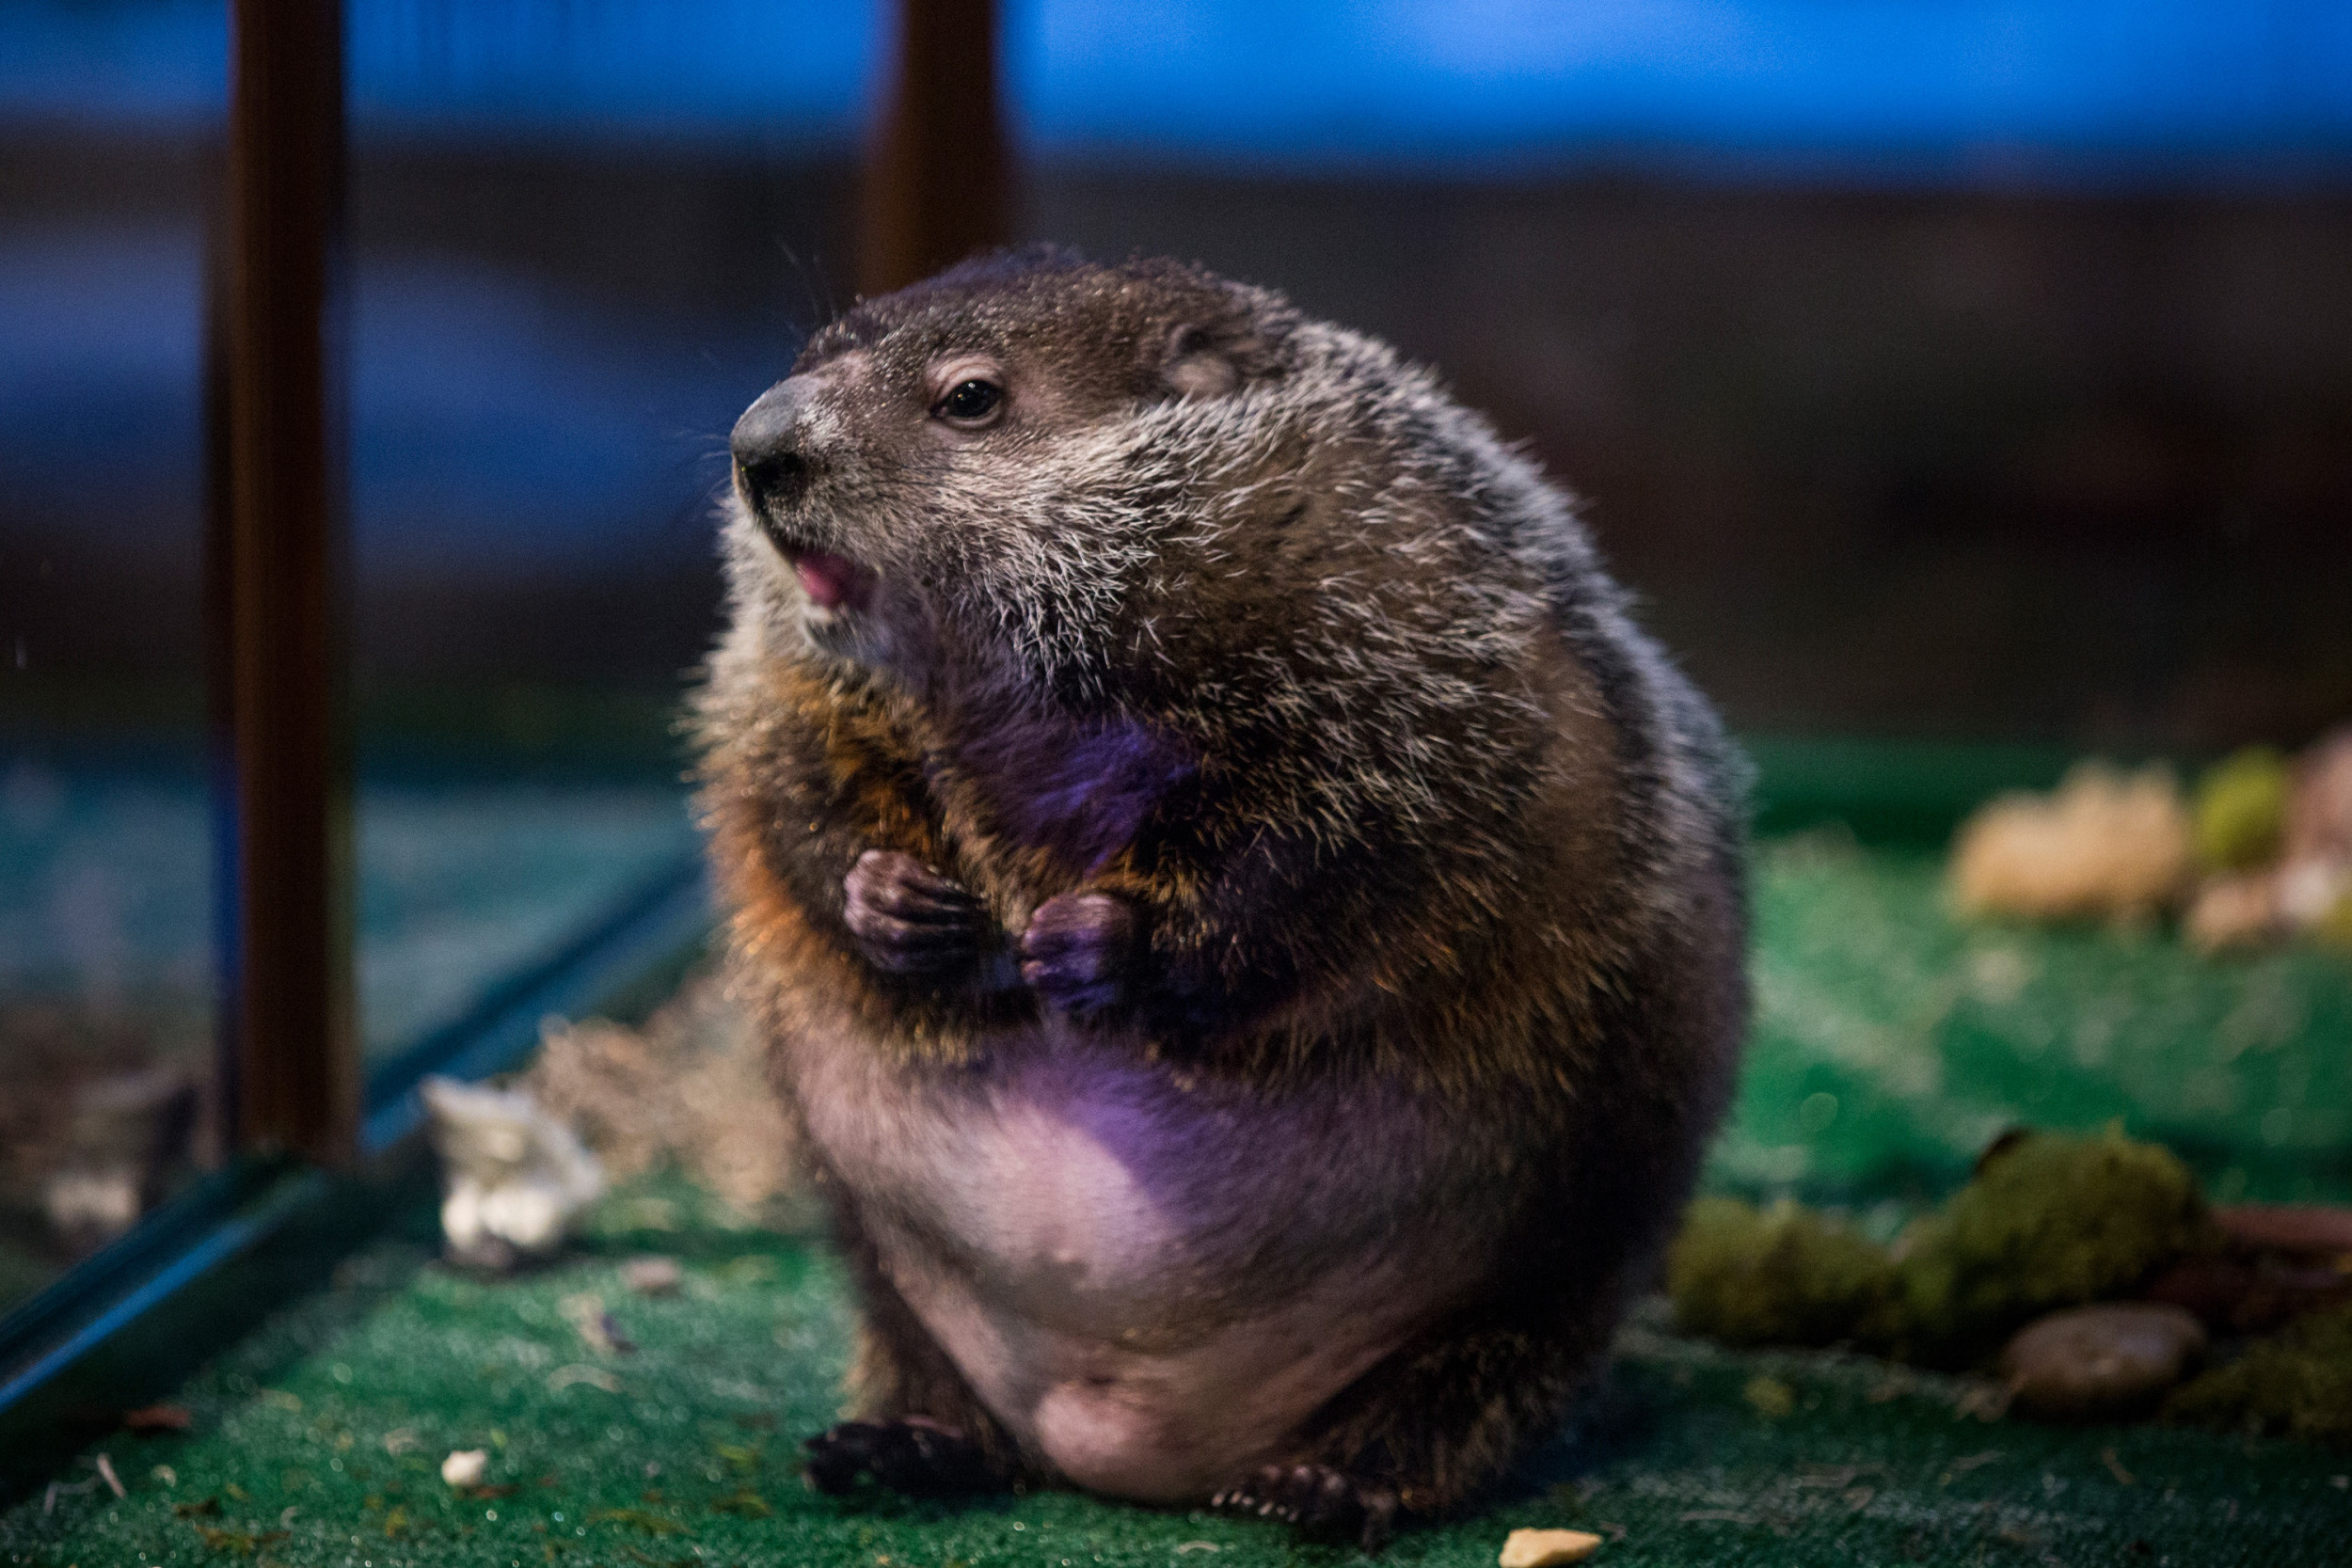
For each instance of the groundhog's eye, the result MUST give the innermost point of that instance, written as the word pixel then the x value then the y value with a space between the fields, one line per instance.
pixel 969 401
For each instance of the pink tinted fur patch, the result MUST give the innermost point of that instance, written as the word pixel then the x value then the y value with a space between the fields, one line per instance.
pixel 1083 794
pixel 1051 1213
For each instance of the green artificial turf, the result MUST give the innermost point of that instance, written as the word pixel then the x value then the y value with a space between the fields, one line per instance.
pixel 1890 1043
pixel 318 1441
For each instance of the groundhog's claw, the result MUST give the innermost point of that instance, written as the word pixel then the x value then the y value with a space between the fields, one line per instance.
pixel 1319 1501
pixel 907 918
pixel 1075 953
pixel 917 1457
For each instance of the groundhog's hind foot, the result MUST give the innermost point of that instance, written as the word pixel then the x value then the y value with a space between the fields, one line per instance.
pixel 919 1458
pixel 1319 1501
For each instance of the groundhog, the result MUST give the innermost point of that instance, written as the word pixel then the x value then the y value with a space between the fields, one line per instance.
pixel 1250 930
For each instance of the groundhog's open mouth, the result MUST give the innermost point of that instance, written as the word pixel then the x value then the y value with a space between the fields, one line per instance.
pixel 831 581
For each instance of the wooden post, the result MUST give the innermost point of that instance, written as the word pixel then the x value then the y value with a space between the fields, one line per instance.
pixel 936 181
pixel 279 573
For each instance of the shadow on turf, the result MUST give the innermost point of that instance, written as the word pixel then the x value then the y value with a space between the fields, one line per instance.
pixel 1616 1418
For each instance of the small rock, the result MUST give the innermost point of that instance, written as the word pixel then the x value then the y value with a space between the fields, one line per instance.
pixel 464 1466
pixel 2317 1229
pixel 159 1418
pixel 2238 1296
pixel 2109 1362
pixel 1540 1548
pixel 652 1275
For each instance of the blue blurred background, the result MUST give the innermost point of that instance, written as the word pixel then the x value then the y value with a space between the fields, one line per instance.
pixel 2068 90
pixel 1829 306
pixel 1933 369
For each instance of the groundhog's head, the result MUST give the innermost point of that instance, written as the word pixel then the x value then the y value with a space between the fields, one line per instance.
pixel 950 469
pixel 1140 490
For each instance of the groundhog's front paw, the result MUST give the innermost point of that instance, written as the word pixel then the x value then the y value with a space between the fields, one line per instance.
pixel 917 1457
pixel 1319 1501
pixel 907 918
pixel 1076 952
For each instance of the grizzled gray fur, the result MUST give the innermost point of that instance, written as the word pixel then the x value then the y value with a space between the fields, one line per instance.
pixel 1251 929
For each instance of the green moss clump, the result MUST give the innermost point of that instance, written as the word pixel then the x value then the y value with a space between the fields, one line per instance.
pixel 2241 810
pixel 2048 1222
pixel 1783 1275
pixel 2299 1382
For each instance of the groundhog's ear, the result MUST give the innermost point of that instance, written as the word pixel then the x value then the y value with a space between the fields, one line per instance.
pixel 1196 366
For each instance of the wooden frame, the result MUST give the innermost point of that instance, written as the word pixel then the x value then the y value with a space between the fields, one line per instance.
pixel 936 190
pixel 278 569
pixel 938 181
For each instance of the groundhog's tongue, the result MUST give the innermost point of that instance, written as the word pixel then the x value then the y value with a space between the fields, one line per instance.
pixel 831 580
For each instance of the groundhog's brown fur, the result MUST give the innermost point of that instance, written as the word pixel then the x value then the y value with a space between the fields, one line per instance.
pixel 1252 930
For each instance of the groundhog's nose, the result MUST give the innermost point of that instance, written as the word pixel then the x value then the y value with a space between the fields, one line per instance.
pixel 768 464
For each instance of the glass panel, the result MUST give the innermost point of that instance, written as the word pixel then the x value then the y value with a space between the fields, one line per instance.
pixel 108 157
pixel 583 239
pixel 463 882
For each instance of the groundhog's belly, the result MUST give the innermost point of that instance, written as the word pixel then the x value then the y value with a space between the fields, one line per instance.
pixel 1151 1286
